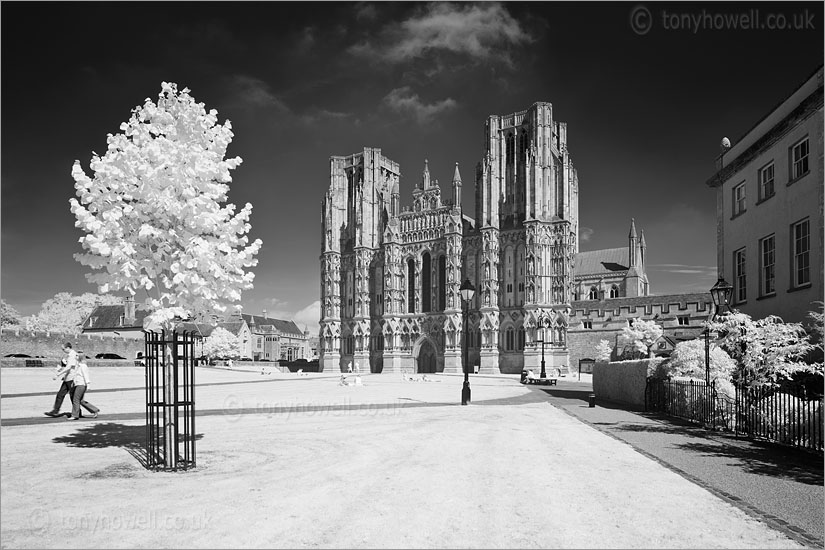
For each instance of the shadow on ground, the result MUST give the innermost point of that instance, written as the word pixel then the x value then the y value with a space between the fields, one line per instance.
pixel 132 438
pixel 756 457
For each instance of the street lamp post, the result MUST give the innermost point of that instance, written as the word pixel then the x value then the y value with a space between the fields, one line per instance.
pixel 543 322
pixel 467 291
pixel 720 293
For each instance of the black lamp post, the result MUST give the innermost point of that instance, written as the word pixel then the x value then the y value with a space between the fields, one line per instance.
pixel 720 293
pixel 467 291
pixel 543 321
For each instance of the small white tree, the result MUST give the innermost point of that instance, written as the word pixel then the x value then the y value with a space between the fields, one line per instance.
pixel 221 343
pixel 643 334
pixel 688 359
pixel 603 350
pixel 154 216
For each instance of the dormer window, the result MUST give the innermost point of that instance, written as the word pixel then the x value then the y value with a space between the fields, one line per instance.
pixel 92 321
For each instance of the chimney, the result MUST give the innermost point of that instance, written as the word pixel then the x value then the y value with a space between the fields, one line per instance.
pixel 264 314
pixel 129 311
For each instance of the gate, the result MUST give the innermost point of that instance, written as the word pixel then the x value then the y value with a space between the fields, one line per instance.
pixel 170 400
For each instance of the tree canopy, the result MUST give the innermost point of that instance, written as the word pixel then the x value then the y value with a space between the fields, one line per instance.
pixel 155 216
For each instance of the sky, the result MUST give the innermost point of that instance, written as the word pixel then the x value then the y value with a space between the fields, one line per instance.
pixel 648 90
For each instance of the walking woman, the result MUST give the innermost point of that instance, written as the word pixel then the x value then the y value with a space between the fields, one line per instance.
pixel 81 383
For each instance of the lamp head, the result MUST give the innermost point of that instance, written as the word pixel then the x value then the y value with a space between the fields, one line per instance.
pixel 467 290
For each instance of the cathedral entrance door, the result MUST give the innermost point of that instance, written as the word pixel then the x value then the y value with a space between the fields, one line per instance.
pixel 426 360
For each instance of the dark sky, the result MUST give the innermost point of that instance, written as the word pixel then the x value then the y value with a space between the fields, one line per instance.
pixel 303 81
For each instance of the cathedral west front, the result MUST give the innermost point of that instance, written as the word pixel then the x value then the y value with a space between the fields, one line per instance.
pixel 390 277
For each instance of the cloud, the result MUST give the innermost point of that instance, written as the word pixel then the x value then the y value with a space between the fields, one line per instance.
pixel 307 317
pixel 255 93
pixel 703 270
pixel 481 32
pixel 585 233
pixel 405 101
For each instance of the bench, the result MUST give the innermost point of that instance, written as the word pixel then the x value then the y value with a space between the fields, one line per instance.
pixel 546 381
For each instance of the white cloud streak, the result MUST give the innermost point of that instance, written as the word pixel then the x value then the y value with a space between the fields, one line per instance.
pixel 405 101
pixel 482 32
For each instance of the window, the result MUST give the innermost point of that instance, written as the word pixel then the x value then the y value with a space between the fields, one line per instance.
pixel 509 288
pixel 799 159
pixel 410 286
pixel 521 339
pixel 594 293
pixel 426 284
pixel 587 324
pixel 510 344
pixel 801 246
pixel 684 320
pixel 614 291
pixel 739 199
pixel 767 261
pixel 766 181
pixel 739 285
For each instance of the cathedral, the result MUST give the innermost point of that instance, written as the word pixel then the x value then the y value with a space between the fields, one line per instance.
pixel 390 277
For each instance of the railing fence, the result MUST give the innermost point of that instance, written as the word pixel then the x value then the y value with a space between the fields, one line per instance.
pixel 782 415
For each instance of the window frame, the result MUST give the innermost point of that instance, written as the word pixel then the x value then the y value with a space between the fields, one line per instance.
pixel 739 203
pixel 798 256
pixel 795 175
pixel 764 192
pixel 740 276
pixel 767 266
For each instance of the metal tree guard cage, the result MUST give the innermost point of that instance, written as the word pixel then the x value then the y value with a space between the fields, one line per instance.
pixel 170 400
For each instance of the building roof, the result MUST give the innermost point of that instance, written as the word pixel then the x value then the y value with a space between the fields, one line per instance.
pixel 108 317
pixel 598 262
pixel 284 327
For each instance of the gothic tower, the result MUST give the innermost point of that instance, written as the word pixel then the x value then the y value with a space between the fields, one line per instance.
pixel 391 276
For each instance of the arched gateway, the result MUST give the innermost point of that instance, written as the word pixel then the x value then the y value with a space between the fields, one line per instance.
pixel 425 356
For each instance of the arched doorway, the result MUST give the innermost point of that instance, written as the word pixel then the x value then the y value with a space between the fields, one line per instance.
pixel 426 360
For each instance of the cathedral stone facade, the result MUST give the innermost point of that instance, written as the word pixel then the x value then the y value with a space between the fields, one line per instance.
pixel 390 277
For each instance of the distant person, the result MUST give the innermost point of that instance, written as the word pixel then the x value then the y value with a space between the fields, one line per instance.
pixel 64 371
pixel 349 367
pixel 81 383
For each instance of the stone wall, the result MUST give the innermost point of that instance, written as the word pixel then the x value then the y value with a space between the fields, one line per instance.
pixel 49 345
pixel 623 381
pixel 681 317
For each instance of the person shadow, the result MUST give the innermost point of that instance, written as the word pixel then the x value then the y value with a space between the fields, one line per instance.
pixel 131 438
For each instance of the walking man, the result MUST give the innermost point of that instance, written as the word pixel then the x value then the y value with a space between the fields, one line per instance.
pixel 65 371
pixel 81 382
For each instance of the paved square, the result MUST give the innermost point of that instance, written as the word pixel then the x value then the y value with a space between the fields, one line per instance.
pixel 288 461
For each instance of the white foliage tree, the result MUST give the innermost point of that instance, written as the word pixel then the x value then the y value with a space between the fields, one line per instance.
pixel 154 212
pixel 643 334
pixel 688 359
pixel 766 350
pixel 221 343
pixel 66 312
pixel 603 350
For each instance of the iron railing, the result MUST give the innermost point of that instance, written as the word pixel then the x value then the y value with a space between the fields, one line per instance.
pixel 170 400
pixel 781 415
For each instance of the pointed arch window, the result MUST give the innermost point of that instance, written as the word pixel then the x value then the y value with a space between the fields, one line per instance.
pixel 442 283
pixel 410 286
pixel 594 293
pixel 614 291
pixel 426 283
